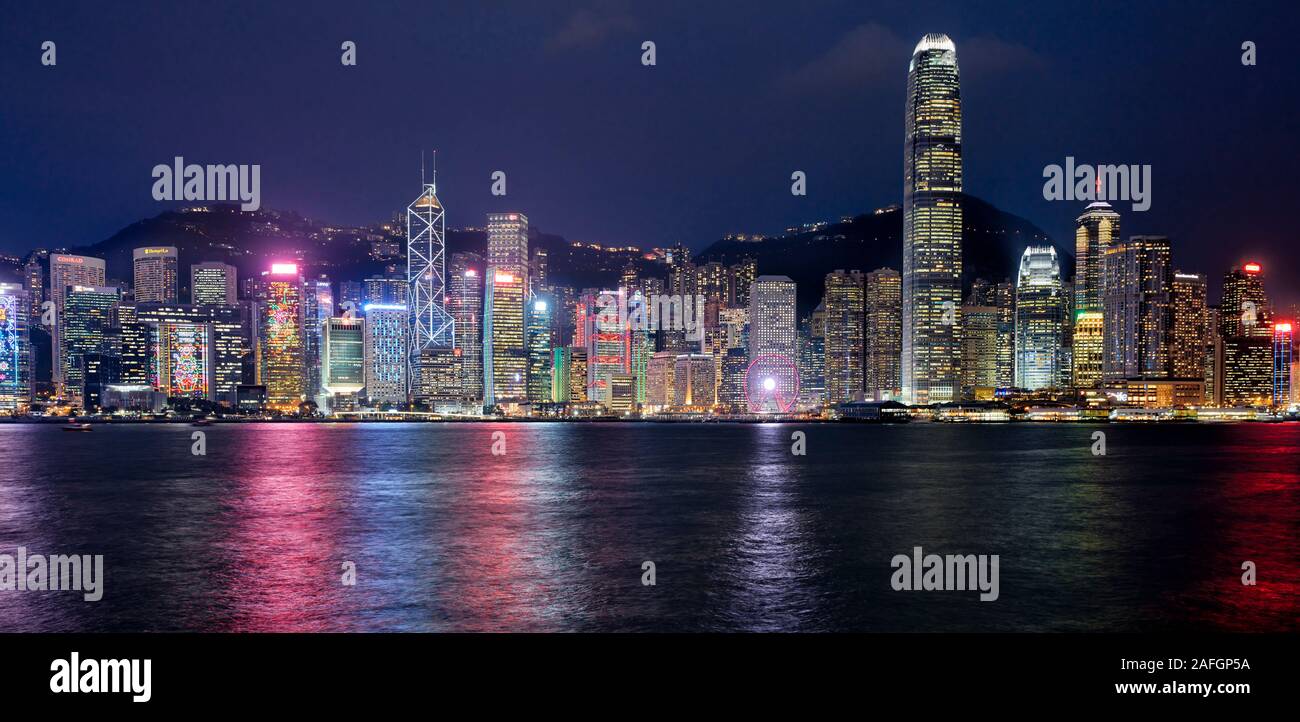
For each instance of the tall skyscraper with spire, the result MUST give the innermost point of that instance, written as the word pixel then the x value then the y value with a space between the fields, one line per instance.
pixel 1094 232
pixel 932 225
pixel 432 327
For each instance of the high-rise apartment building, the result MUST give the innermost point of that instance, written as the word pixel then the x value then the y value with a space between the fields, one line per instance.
pixel 1190 331
pixel 843 303
pixel 882 376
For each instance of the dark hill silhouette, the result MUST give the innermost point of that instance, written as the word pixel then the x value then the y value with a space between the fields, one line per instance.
pixel 992 244
pixel 994 241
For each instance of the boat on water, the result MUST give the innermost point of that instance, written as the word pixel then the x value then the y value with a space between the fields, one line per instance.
pixel 201 422
pixel 74 426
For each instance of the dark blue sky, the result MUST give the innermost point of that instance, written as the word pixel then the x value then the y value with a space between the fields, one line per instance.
pixel 598 147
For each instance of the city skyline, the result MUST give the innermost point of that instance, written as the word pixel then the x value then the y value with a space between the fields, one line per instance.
pixel 1017 68
pixel 1127 330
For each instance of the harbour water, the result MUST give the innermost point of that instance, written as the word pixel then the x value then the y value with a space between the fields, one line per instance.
pixel 552 534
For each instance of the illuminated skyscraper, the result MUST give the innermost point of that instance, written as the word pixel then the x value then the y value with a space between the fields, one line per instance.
pixel 155 335
pixel 713 281
pixel 882 378
pixel 659 380
pixel 34 282
pixel 465 302
pixel 622 394
pixel 505 292
pixel 68 270
pixel 1040 320
pixel 507 241
pixel 15 350
pixel 389 288
pixel 1001 296
pixel 540 343
pixel 1095 231
pixel 155 274
pixel 560 374
pixel 538 269
pixel 694 381
pixel 812 359
pixel 642 348
pixel 980 346
pixel 87 317
pixel 1248 370
pixel 504 360
pixel 185 359
pixel 386 348
pixel 213 284
pixel 577 375
pixel 932 225
pixel 1244 310
pixel 280 339
pixel 230 336
pixel 1190 332
pixel 731 388
pixel 352 295
pixel 843 305
pixel 609 343
pixel 773 351
pixel 343 357
pixel 742 277
pixel 431 325
pixel 317 309
pixel 1283 359
pixel 436 384
pixel 1137 309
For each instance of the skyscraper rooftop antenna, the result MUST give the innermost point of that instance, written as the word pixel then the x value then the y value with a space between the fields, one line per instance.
pixel 435 170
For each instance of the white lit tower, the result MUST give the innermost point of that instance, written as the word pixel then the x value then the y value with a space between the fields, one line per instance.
pixel 431 326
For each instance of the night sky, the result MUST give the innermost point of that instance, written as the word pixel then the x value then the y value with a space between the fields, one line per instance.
pixel 597 147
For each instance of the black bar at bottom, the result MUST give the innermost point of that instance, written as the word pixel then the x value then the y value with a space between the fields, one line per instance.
pixel 979 672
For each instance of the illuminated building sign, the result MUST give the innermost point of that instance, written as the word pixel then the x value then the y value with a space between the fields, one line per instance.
pixel 184 349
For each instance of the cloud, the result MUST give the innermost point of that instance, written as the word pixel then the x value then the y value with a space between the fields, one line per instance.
pixel 588 28
pixel 987 55
pixel 872 56
pixel 866 57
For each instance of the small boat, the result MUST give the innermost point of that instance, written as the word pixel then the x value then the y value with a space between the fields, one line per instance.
pixel 202 422
pixel 73 426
